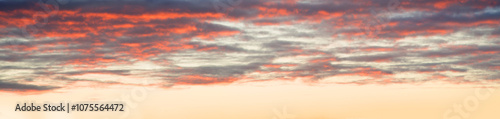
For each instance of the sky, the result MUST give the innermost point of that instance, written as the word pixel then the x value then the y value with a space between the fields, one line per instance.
pixel 335 59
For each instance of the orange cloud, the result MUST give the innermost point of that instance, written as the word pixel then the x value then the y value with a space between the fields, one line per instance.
pixel 198 79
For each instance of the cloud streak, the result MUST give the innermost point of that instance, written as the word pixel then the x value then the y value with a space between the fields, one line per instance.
pixel 189 42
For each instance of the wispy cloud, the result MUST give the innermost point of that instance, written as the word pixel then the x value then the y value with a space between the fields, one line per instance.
pixel 192 43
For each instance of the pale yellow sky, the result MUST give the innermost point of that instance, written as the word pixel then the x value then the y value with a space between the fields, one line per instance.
pixel 268 100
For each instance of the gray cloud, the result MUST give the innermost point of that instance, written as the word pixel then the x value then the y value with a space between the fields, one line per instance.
pixel 12 86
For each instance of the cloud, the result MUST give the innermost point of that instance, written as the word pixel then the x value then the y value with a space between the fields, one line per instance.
pixel 190 42
pixel 12 86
